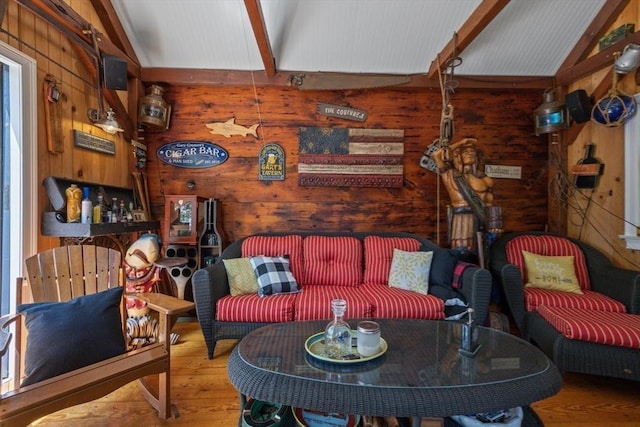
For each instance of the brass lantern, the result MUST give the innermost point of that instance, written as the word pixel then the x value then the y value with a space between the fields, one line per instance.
pixel 154 111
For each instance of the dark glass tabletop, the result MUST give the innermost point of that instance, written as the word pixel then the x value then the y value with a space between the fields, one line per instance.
pixel 421 373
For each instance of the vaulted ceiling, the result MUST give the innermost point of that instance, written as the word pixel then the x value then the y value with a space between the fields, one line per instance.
pixel 342 44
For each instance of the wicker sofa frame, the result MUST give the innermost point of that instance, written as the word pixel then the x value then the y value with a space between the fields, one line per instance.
pixel 210 284
pixel 572 355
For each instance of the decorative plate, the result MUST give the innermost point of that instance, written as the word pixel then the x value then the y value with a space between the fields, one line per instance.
pixel 314 345
pixel 309 418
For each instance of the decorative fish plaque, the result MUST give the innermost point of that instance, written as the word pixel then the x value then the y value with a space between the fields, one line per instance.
pixel 230 128
pixel 192 154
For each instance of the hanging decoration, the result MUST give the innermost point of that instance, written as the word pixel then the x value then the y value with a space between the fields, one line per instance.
pixel 616 107
pixel 447 87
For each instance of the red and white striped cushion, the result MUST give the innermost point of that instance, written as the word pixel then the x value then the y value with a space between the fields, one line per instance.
pixel 253 308
pixel 314 303
pixel 595 326
pixel 378 254
pixel 271 246
pixel 402 304
pixel 589 300
pixel 514 248
pixel 557 246
pixel 332 261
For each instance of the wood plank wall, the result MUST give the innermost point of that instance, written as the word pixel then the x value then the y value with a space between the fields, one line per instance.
pixel 501 121
pixel 597 216
pixel 55 55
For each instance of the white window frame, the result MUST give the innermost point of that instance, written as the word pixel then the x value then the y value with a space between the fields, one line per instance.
pixel 631 180
pixel 23 137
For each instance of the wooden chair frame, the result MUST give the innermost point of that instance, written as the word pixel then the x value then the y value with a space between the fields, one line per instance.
pixel 64 273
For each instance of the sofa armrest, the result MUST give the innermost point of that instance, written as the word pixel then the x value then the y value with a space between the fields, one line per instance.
pixel 476 288
pixel 618 283
pixel 510 278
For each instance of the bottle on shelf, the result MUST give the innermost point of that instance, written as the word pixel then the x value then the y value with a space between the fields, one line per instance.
pixel 86 207
pixel 74 198
pixel 337 334
pixel 97 210
pixel 114 209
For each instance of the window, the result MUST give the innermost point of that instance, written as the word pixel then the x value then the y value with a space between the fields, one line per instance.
pixel 631 180
pixel 18 169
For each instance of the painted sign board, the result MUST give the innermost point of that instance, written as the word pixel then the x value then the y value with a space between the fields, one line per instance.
pixel 340 112
pixel 271 163
pixel 192 154
pixel 498 171
pixel 93 143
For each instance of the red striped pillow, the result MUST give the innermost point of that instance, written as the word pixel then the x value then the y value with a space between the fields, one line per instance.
pixel 518 244
pixel 558 246
pixel 333 261
pixel 378 254
pixel 272 246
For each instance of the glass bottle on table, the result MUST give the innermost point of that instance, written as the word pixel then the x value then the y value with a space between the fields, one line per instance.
pixel 337 334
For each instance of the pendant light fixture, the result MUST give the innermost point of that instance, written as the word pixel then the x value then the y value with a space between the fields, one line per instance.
pixel 105 121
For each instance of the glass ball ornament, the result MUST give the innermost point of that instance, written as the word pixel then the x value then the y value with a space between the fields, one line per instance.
pixel 614 110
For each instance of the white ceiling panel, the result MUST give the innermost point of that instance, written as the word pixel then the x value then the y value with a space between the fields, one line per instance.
pixel 209 34
pixel 527 38
pixel 362 36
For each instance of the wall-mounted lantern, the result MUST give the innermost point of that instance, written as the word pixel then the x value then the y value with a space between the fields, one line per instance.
pixel 154 111
pixel 551 115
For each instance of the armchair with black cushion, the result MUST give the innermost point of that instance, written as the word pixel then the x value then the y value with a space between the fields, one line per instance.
pixel 556 320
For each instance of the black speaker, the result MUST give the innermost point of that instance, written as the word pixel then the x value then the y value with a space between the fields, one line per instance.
pixel 115 72
pixel 579 105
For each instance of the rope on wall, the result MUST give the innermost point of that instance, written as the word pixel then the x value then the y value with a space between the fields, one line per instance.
pixel 563 190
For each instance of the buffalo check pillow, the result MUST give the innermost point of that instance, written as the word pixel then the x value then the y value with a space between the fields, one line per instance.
pixel 274 275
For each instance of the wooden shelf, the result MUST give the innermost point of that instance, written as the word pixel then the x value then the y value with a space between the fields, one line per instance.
pixel 52 227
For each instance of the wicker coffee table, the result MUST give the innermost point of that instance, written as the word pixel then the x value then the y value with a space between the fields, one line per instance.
pixel 420 375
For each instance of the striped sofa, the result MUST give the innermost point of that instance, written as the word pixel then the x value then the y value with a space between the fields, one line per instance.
pixel 350 265
pixel 593 331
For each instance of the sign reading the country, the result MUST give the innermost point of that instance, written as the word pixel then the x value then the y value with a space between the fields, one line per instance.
pixel 342 112
pixel 350 157
pixel 192 154
pixel 271 163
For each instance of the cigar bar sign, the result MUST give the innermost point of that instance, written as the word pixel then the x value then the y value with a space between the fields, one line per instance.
pixel 347 113
pixel 192 154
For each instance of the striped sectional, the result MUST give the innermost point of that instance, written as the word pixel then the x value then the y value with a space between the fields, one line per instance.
pixel 349 265
pixel 596 332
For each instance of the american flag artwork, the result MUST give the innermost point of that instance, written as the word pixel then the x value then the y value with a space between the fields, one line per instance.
pixel 350 157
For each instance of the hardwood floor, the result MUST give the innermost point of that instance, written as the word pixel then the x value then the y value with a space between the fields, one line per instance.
pixel 204 396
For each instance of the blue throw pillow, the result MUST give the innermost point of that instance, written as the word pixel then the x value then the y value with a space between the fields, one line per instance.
pixel 64 336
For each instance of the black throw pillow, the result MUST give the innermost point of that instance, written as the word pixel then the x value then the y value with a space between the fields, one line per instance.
pixel 442 266
pixel 64 336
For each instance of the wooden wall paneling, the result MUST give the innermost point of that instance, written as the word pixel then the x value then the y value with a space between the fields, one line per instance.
pixel 249 205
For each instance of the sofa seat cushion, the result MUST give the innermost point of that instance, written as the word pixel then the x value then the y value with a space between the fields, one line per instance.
pixel 401 304
pixel 378 254
pixel 332 261
pixel 273 246
pixel 588 300
pixel 315 302
pixel 253 308
pixel 548 246
pixel 601 327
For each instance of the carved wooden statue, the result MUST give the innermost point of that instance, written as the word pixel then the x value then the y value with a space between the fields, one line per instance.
pixel 470 191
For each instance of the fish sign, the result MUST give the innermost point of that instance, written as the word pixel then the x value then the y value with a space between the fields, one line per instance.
pixel 230 128
pixel 192 154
